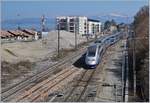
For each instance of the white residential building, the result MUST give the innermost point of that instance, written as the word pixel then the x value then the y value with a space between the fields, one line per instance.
pixel 113 28
pixel 94 26
pixel 81 25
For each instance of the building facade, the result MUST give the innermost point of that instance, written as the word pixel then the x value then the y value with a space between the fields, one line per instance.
pixel 94 26
pixel 113 28
pixel 81 25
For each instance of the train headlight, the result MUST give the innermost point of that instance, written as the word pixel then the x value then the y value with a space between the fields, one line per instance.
pixel 91 59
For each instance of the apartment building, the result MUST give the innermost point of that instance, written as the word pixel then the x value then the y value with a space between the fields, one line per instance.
pixel 94 26
pixel 81 25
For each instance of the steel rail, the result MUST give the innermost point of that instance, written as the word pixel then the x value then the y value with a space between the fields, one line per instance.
pixel 42 74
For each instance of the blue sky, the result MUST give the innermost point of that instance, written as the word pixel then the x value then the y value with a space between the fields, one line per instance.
pixel 32 9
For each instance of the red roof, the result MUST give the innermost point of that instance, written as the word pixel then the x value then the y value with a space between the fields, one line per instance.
pixel 11 33
pixel 5 34
pixel 29 32
pixel 19 33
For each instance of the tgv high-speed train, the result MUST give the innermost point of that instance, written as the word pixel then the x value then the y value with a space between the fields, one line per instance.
pixel 94 54
pixel 96 50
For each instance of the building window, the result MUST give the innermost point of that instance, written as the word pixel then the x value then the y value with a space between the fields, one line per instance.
pixel 72 20
pixel 63 20
pixel 97 28
pixel 71 28
pixel 72 24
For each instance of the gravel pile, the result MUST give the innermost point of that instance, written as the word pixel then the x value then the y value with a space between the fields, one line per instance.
pixel 67 39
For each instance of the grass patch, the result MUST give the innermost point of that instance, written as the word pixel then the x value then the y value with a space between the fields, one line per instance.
pixel 11 68
pixel 11 71
pixel 63 53
pixel 85 43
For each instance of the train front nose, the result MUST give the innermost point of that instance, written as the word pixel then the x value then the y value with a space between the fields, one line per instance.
pixel 90 61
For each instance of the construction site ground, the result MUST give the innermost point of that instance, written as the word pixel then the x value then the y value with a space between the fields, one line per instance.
pixel 24 59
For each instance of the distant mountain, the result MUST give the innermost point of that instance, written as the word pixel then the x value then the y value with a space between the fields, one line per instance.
pixel 117 19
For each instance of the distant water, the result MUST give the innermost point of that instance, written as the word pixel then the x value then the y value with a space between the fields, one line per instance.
pixel 50 22
pixel 28 24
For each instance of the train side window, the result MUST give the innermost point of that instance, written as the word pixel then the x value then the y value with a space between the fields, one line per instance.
pixel 101 52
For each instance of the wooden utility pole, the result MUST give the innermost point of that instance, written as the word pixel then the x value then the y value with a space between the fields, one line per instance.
pixel 58 28
pixel 134 66
pixel 75 34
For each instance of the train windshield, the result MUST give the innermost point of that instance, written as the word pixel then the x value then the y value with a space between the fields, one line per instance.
pixel 97 41
pixel 92 51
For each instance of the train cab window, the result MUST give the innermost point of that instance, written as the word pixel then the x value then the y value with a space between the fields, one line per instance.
pixel 99 47
pixel 92 51
pixel 98 41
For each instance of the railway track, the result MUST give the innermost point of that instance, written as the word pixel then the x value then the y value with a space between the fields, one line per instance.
pixel 40 76
pixel 41 91
pixel 79 88
pixel 83 81
pixel 34 92
pixel 77 93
